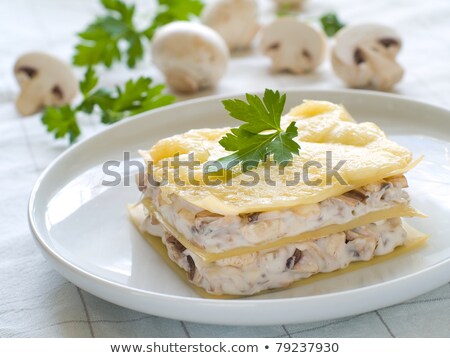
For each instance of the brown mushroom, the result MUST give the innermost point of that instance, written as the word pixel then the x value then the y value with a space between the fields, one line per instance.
pixel 44 81
pixel 175 243
pixel 191 263
pixel 294 259
pixel 356 194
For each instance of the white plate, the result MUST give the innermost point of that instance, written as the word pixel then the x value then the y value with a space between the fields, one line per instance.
pixel 83 229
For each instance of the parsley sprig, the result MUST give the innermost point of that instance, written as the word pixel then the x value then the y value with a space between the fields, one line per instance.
pixel 261 135
pixel 331 23
pixel 174 10
pixel 135 97
pixel 113 37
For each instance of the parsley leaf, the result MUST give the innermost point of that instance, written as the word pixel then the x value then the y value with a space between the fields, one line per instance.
pixel 136 96
pixel 174 10
pixel 102 40
pixel 120 7
pixel 331 24
pixel 62 121
pixel 100 97
pixel 261 135
pixel 113 37
pixel 89 81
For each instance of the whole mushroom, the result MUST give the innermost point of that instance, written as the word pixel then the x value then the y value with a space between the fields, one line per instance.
pixel 191 55
pixel 235 20
pixel 293 45
pixel 44 80
pixel 365 55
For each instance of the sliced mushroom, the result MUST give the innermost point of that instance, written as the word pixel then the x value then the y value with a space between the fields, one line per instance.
pixel 176 244
pixel 376 187
pixel 203 218
pixel 192 56
pixel 191 263
pixel 44 81
pixel 356 194
pixel 365 56
pixel 207 214
pixel 293 46
pixel 251 217
pixel 399 181
pixel 235 20
pixel 294 259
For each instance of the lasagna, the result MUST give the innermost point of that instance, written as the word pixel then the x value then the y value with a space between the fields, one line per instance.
pixel 238 233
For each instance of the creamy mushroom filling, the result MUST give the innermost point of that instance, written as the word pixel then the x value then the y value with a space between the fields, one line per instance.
pixel 277 268
pixel 218 233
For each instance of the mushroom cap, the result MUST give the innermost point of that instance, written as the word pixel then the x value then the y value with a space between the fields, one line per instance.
pixel 44 81
pixel 191 55
pixel 365 55
pixel 293 45
pixel 351 38
pixel 235 20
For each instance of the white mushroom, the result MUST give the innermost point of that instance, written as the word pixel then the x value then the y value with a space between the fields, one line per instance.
pixel 235 20
pixel 44 81
pixel 191 55
pixel 292 45
pixel 293 4
pixel 365 55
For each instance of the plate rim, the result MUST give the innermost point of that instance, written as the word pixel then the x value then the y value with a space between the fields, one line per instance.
pixel 84 274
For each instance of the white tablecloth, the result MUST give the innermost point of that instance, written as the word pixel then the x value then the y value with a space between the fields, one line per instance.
pixel 36 301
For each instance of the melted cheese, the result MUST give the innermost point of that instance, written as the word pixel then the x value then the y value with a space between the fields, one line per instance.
pixel 397 211
pixel 415 240
pixel 323 128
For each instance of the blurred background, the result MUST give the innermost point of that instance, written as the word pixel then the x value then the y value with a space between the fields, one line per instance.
pixel 51 26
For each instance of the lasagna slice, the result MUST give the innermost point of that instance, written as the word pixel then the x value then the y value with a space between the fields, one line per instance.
pixel 233 238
